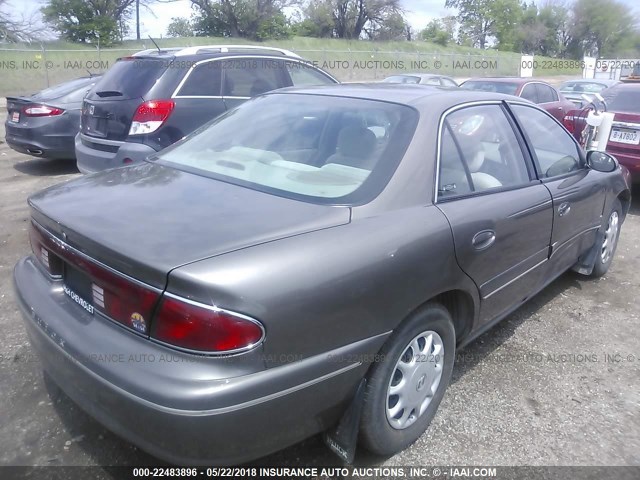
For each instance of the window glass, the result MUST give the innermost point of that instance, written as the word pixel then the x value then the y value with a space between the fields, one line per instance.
pixel 507 88
pixel 204 80
pixel 324 150
pixel 623 98
pixel 431 81
pixel 448 83
pixel 556 152
pixel 248 77
pixel 131 77
pixel 489 148
pixel 546 94
pixel 303 74
pixel 529 93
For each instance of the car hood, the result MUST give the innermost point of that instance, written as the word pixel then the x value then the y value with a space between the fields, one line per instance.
pixel 147 220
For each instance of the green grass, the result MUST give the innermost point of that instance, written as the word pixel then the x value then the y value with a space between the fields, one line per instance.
pixel 23 72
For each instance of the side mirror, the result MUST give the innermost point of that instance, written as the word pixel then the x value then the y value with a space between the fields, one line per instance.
pixel 601 161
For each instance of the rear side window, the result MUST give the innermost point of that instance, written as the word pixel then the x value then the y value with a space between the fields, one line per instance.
pixel 248 77
pixel 546 94
pixel 529 93
pixel 555 151
pixel 302 74
pixel 481 154
pixel 205 80
pixel 130 78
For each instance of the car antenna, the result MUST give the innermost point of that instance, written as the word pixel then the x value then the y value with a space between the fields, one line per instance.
pixel 154 42
pixel 90 74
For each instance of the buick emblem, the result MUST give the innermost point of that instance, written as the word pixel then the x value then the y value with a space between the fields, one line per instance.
pixel 92 109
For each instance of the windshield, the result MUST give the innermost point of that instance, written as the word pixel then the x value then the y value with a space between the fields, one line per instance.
pixel 489 86
pixel 623 99
pixel 323 149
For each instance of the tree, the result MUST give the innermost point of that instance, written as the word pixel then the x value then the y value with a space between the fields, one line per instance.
pixel 601 25
pixel 180 27
pixel 391 26
pixel 252 19
pixel 351 16
pixel 484 20
pixel 88 21
pixel 439 31
pixel 16 30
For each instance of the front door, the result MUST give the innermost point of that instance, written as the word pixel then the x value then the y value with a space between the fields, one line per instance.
pixel 578 192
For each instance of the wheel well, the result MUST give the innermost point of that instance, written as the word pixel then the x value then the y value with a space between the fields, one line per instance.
pixel 461 309
pixel 625 201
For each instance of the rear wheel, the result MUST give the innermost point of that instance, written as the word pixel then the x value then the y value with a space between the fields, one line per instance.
pixel 405 388
pixel 607 248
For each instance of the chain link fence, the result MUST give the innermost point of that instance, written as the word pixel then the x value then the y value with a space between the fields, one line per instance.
pixel 25 71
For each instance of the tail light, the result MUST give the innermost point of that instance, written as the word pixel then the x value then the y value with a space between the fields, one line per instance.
pixel 42 111
pixel 150 116
pixel 204 328
pixel 569 123
pixel 40 245
pixel 121 298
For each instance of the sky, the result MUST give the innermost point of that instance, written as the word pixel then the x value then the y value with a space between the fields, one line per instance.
pixel 154 22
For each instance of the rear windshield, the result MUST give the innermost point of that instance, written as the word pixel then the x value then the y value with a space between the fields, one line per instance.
pixel 620 99
pixel 64 89
pixel 580 87
pixel 130 78
pixel 402 79
pixel 489 86
pixel 329 150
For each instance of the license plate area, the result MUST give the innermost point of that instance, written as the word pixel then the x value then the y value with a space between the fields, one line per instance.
pixel 625 135
pixel 78 287
pixel 95 126
pixel 15 117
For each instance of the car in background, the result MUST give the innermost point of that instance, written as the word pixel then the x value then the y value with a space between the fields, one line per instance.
pixel 623 100
pixel 147 101
pixel 536 91
pixel 45 124
pixel 245 265
pixel 422 79
pixel 573 90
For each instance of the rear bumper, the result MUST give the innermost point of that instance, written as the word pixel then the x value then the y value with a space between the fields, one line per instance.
pixel 121 154
pixel 40 143
pixel 191 409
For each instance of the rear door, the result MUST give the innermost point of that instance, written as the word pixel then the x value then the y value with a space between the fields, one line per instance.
pixel 578 192
pixel 198 98
pixel 109 107
pixel 549 100
pixel 246 77
pixel 500 215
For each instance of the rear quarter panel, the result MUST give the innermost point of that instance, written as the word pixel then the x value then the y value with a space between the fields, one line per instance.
pixel 318 291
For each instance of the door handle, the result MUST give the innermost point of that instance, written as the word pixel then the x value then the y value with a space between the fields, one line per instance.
pixel 484 239
pixel 564 208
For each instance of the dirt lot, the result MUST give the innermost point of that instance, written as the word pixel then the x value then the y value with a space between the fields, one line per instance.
pixel 566 405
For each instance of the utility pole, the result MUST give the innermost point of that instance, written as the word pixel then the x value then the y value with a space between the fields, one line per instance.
pixel 138 19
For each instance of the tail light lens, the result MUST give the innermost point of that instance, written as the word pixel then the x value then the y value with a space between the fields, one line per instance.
pixel 569 123
pixel 121 298
pixel 41 248
pixel 150 116
pixel 203 328
pixel 42 111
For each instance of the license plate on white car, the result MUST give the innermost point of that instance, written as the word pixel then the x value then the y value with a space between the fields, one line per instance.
pixel 15 117
pixel 625 135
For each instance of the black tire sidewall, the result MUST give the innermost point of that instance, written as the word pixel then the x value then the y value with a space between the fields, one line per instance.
pixel 376 434
pixel 600 268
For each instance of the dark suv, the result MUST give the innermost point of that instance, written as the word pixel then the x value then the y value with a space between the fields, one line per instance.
pixel 154 98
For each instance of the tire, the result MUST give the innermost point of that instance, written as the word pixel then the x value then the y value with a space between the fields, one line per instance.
pixel 382 432
pixel 607 247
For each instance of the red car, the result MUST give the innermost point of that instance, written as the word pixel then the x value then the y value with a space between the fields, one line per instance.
pixel 624 140
pixel 536 91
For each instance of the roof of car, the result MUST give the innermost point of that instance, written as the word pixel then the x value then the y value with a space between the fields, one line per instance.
pixel 602 81
pixel 408 94
pixel 200 52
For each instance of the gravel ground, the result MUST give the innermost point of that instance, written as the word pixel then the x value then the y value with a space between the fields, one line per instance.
pixel 563 404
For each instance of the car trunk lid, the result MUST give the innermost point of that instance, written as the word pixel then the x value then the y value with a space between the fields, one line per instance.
pixel 145 221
